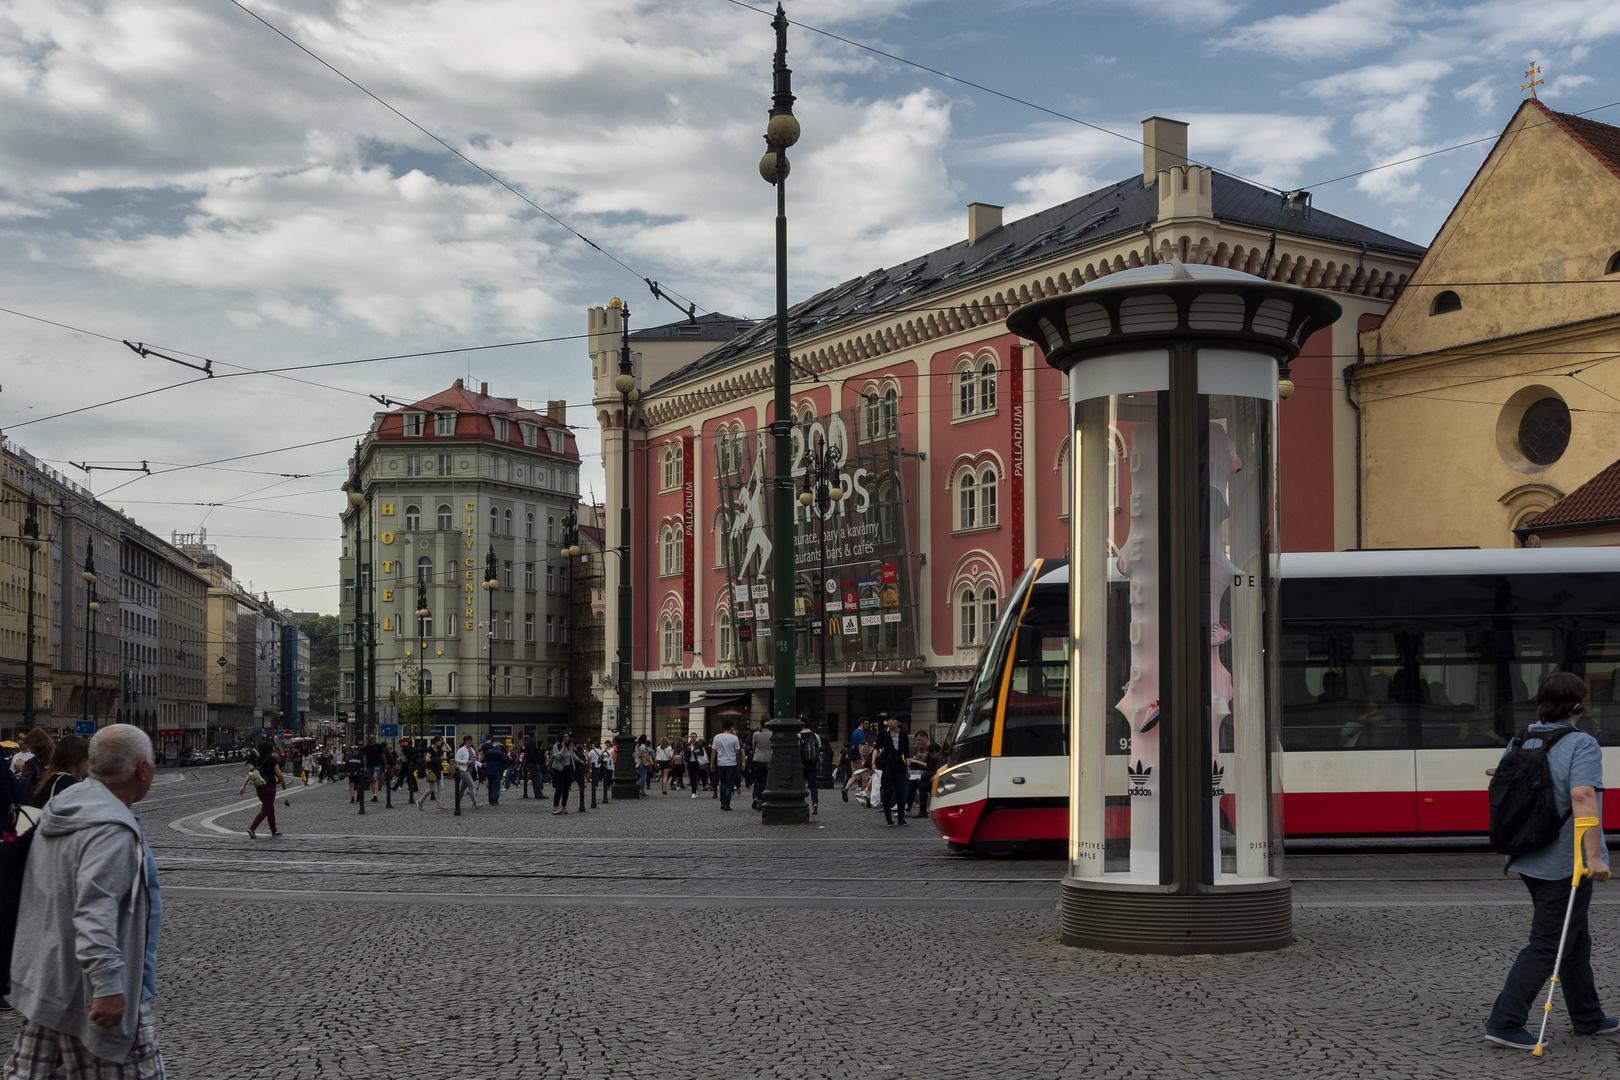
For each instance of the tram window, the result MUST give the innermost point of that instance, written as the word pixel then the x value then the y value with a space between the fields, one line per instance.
pixel 1598 652
pixel 974 730
pixel 1037 697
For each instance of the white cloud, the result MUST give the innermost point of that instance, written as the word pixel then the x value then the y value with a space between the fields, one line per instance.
pixel 1564 85
pixel 1481 93
pixel 1272 148
pixel 1339 29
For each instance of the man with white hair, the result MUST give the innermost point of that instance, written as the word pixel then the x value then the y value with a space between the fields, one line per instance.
pixel 84 969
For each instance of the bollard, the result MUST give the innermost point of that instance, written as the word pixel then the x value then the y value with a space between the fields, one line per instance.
pixel 458 793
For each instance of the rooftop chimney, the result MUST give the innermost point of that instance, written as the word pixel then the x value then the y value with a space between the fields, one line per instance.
pixel 483 388
pixel 1164 146
pixel 558 411
pixel 458 384
pixel 983 219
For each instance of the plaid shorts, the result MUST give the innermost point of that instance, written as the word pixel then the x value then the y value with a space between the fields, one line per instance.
pixel 43 1054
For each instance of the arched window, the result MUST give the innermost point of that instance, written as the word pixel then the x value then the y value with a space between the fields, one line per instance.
pixel 494 521
pixel 528 525
pixel 967 502
pixel 507 521
pixel 891 412
pixel 424 570
pixel 725 649
pixel 427 683
pixel 424 626
pixel 672 465
pixel 1446 301
pixel 1066 473
pixel 987 386
pixel 669 543
pixel 445 522
pixel 413 518
pixel 987 496
pixel 887 512
pixel 966 399
pixel 551 528
pixel 450 683
pixel 450 571
pixel 877 410
pixel 967 610
pixel 1614 264
pixel 988 608
pixel 671 631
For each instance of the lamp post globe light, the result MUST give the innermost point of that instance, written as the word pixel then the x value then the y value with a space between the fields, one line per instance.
pixel 824 494
pixel 786 800
pixel 624 743
pixel 1173 372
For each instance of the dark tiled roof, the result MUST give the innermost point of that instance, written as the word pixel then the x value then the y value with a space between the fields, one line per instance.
pixel 711 327
pixel 1120 208
pixel 1601 140
pixel 1595 502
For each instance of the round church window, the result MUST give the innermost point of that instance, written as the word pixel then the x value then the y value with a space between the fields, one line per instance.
pixel 1544 431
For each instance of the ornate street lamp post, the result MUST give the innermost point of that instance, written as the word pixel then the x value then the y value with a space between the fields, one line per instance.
pixel 624 743
pixel 30 539
pixel 822 492
pixel 785 795
pixel 358 500
pixel 92 606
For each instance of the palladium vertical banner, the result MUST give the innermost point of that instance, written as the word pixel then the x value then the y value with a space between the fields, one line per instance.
pixel 854 575
pixel 688 540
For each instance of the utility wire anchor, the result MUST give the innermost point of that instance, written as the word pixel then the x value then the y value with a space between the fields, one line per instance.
pixel 141 349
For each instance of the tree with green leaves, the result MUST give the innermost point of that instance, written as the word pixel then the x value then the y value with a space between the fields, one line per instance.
pixel 415 710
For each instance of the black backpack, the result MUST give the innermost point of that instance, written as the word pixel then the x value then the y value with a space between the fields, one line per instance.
pixel 808 757
pixel 1523 797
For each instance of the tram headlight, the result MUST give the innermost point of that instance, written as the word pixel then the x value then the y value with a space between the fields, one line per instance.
pixel 958 777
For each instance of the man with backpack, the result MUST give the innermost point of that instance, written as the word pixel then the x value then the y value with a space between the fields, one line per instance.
pixel 1550 774
pixel 810 758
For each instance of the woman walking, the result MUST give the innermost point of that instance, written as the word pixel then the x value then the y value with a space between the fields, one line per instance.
pixel 33 761
pixel 663 758
pixel 70 763
pixel 432 770
pixel 562 761
pixel 264 773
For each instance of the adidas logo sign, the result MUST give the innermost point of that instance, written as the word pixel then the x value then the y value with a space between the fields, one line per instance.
pixel 1139 775
pixel 1217 780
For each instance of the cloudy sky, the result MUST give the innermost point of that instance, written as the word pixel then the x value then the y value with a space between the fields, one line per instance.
pixel 173 172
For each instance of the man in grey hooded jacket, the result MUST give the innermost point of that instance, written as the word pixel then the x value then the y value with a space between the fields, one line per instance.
pixel 83 971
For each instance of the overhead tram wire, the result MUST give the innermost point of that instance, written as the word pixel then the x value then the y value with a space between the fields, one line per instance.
pixel 244 370
pixel 659 291
pixel 1121 135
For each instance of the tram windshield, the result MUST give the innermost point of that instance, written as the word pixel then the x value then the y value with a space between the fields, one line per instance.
pixel 975 724
pixel 1038 686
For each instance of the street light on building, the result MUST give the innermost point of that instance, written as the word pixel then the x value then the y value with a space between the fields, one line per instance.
pixel 624 744
pixel 824 494
pixel 785 795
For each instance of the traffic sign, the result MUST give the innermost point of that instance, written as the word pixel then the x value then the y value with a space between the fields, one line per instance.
pixel 222 661
pixel 84 727
pixel 388 731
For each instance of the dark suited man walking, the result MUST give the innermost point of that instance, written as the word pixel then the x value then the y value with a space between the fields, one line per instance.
pixel 893 752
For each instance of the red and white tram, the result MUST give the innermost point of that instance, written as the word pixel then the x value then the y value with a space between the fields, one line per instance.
pixel 1402 674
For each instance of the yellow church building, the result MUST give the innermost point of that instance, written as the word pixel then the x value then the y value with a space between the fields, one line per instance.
pixel 1490 390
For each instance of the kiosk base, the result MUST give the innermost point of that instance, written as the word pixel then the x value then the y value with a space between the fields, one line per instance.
pixel 1123 919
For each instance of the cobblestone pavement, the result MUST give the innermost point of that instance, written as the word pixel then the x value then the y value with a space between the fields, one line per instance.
pixel 662 938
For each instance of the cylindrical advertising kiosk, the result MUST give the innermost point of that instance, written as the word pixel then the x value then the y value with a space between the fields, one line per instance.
pixel 1175 815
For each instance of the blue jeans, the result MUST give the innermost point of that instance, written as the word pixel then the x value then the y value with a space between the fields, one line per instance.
pixel 493 775
pixel 730 779
pixel 1535 963
pixel 641 778
pixel 762 773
